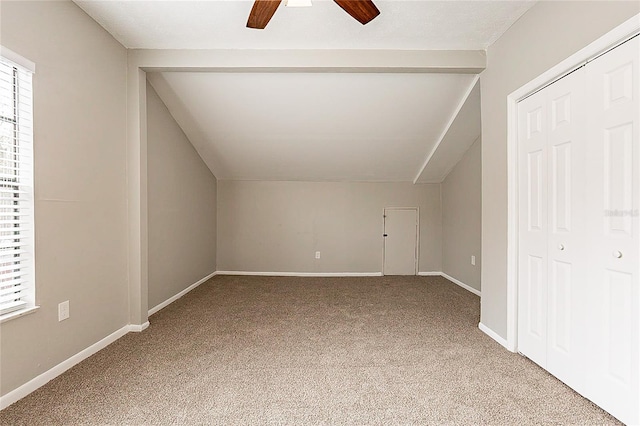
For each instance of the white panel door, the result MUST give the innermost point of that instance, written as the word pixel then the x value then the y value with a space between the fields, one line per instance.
pixel 532 248
pixel 613 125
pixel 579 230
pixel 567 229
pixel 400 241
pixel 552 228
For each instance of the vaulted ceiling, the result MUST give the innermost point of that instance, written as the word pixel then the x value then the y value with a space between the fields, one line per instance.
pixel 318 126
pixel 307 126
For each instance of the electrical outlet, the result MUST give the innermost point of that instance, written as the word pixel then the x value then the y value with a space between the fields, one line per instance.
pixel 63 310
pixel 317 255
pixel 473 260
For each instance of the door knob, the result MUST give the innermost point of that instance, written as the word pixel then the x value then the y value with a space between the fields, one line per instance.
pixel 617 254
pixel 560 247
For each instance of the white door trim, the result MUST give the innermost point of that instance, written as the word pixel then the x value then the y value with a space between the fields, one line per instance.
pixel 618 35
pixel 384 214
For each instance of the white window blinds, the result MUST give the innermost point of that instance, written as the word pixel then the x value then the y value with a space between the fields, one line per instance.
pixel 16 188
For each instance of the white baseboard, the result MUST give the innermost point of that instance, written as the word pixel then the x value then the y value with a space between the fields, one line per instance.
pixel 179 295
pixel 54 372
pixel 463 285
pixel 495 336
pixel 453 280
pixel 135 328
pixel 302 274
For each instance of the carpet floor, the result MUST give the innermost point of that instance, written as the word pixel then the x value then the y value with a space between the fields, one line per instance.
pixel 298 351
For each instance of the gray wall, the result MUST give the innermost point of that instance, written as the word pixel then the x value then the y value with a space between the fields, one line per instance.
pixel 80 189
pixel 182 207
pixel 278 226
pixel 461 218
pixel 544 36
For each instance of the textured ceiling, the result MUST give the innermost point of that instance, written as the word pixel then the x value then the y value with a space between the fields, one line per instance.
pixel 441 25
pixel 317 127
pixel 313 127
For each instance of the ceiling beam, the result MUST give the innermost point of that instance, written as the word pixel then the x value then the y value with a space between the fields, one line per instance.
pixel 447 127
pixel 324 60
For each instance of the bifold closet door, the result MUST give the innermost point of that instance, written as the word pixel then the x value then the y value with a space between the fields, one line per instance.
pixel 532 232
pixel 567 229
pixel 552 252
pixel 579 230
pixel 613 125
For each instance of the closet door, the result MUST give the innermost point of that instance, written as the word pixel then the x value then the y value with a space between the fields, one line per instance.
pixel 552 228
pixel 532 228
pixel 614 190
pixel 567 229
pixel 579 230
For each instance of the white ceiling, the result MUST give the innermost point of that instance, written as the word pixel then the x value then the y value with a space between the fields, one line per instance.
pixel 312 127
pixel 464 131
pixel 318 126
pixel 219 24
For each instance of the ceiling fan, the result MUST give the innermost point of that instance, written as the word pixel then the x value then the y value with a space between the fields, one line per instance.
pixel 362 10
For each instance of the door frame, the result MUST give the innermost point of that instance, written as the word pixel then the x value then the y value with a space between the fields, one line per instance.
pixel 608 41
pixel 384 216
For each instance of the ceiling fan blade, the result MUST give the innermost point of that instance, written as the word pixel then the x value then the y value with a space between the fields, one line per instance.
pixel 261 13
pixel 362 10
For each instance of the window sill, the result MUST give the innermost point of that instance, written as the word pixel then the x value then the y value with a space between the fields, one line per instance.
pixel 17 314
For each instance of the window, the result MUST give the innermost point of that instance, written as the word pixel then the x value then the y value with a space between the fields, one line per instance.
pixel 17 272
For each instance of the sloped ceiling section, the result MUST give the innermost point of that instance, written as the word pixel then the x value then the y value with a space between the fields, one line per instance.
pixel 319 127
pixel 463 132
pixel 313 127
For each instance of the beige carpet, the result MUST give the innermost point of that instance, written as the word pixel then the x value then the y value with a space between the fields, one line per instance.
pixel 297 351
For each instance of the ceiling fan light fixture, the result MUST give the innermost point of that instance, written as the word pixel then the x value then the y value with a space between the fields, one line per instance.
pixel 262 10
pixel 298 3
